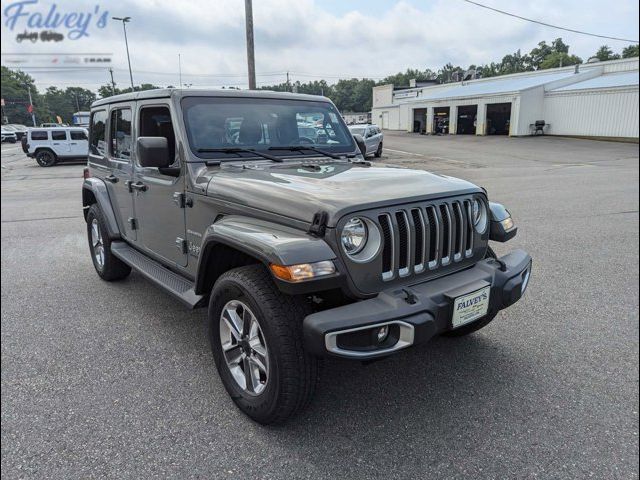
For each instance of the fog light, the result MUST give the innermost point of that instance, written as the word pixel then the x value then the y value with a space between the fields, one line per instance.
pixel 382 333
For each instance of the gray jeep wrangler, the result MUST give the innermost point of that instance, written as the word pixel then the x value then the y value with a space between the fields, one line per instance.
pixel 260 207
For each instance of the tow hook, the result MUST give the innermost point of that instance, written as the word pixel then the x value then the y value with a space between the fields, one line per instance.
pixel 409 297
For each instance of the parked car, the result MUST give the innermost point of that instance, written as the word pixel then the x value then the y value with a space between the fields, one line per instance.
pixel 51 145
pixel 19 130
pixel 298 251
pixel 8 135
pixel 372 136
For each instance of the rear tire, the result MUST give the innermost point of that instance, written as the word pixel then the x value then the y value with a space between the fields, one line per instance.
pixel 108 266
pixel 288 381
pixel 478 324
pixel 378 153
pixel 46 158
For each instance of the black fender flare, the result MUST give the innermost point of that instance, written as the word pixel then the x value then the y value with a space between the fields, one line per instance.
pixel 268 242
pixel 94 190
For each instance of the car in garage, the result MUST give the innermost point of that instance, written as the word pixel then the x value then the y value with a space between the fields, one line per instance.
pixel 299 250
pixel 49 146
pixel 372 136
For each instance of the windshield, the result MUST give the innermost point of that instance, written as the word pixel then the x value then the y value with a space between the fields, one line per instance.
pixel 357 130
pixel 262 124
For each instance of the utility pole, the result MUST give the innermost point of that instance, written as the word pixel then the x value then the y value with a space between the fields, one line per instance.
pixel 124 21
pixel 288 84
pixel 113 84
pixel 77 103
pixel 179 71
pixel 251 61
pixel 33 115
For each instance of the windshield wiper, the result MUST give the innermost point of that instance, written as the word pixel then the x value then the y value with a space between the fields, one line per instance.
pixel 300 148
pixel 239 150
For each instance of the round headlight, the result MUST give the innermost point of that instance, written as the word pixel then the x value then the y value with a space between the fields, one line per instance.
pixel 354 236
pixel 479 215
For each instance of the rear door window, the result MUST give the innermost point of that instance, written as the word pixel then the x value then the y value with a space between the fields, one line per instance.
pixel 98 132
pixel 59 135
pixel 120 133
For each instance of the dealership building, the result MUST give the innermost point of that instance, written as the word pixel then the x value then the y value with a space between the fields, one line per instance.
pixel 590 100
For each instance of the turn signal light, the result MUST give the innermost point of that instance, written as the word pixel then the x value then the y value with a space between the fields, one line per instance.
pixel 303 271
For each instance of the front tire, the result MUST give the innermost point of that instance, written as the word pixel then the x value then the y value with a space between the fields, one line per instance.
pixel 46 158
pixel 108 266
pixel 256 339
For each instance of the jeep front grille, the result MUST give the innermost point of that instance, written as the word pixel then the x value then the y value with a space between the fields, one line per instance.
pixel 425 237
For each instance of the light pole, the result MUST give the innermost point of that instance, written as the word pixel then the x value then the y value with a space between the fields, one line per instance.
pixel 251 62
pixel 33 115
pixel 124 21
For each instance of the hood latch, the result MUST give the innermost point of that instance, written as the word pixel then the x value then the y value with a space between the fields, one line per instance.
pixel 319 224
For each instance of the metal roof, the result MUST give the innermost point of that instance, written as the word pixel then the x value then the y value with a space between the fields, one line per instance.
pixel 196 92
pixel 611 80
pixel 497 86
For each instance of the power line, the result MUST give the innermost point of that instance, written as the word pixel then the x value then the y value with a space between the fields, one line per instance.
pixel 548 24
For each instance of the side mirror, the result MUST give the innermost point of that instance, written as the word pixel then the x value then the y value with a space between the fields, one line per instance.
pixel 153 152
pixel 361 145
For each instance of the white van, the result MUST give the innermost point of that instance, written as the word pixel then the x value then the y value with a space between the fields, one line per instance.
pixel 50 145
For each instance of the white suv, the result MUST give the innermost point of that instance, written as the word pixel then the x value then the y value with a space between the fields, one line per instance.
pixel 49 145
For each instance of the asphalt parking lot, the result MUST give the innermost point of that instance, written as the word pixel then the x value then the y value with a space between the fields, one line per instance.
pixel 117 380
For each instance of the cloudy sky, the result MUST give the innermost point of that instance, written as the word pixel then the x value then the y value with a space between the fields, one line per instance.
pixel 312 39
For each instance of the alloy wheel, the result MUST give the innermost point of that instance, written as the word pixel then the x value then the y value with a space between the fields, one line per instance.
pixel 244 347
pixel 96 243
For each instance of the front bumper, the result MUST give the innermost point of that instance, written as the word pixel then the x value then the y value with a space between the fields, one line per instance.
pixel 413 313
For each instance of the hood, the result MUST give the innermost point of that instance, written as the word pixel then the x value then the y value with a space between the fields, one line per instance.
pixel 299 191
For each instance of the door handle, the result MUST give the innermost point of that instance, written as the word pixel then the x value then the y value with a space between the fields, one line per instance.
pixel 111 178
pixel 73 143
pixel 139 186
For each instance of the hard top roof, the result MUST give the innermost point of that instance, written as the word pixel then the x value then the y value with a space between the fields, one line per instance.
pixel 195 92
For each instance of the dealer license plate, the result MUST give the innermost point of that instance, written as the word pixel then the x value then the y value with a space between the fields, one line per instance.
pixel 470 307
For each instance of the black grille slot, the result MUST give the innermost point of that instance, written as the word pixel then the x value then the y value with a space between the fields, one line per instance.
pixel 387 237
pixel 459 226
pixel 433 234
pixel 403 239
pixel 446 229
pixel 419 229
pixel 469 225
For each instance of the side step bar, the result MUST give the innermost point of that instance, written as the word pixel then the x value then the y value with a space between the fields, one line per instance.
pixel 176 285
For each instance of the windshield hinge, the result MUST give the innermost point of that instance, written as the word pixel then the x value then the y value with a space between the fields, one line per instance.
pixel 181 200
pixel 182 245
pixel 319 224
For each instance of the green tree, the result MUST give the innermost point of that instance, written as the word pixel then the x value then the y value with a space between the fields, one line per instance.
pixel 64 103
pixel 605 53
pixel 15 92
pixel 631 51
pixel 559 59
pixel 402 79
pixel 515 63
